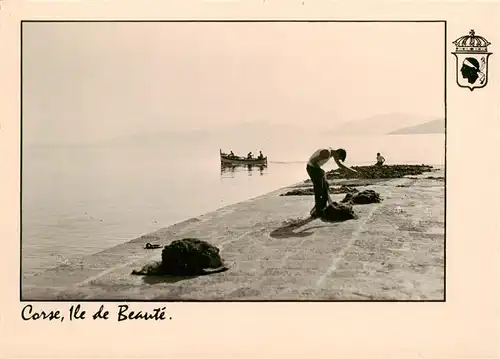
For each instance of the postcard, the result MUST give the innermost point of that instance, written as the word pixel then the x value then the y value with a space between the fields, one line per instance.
pixel 249 179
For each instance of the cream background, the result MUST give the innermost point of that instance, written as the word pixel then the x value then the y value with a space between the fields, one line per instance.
pixel 465 326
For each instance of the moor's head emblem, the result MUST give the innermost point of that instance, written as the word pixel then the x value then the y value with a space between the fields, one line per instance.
pixel 472 60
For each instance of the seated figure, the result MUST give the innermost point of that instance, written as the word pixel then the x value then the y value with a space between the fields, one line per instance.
pixel 380 160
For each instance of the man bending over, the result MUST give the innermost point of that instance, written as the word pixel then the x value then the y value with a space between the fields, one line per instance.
pixel 318 177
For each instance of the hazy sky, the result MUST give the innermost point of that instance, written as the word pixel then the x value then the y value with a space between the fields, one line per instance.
pixel 89 81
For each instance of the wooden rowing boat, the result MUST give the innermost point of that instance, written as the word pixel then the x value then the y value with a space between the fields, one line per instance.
pixel 225 159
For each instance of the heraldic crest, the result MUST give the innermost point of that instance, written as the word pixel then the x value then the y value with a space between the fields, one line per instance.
pixel 472 60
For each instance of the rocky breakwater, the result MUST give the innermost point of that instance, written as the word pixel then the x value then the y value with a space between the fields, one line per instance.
pixel 376 172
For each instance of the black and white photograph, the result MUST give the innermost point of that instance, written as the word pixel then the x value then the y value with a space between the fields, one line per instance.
pixel 234 160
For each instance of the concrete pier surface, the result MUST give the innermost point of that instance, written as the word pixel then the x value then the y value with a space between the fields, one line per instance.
pixel 393 251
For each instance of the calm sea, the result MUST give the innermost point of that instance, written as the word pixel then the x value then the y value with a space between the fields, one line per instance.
pixel 81 200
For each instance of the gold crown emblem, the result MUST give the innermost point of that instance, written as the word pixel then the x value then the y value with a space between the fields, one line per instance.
pixel 471 44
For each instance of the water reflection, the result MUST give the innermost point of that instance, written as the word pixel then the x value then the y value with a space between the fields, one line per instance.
pixel 229 171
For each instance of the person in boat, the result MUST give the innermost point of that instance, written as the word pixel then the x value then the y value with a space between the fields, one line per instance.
pixel 231 154
pixel 318 176
pixel 249 156
pixel 380 160
pixel 261 156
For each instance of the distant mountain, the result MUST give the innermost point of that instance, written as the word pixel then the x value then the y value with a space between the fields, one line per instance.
pixel 435 126
pixel 378 124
